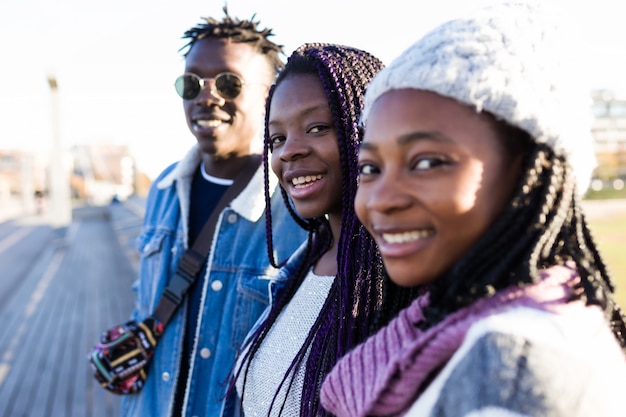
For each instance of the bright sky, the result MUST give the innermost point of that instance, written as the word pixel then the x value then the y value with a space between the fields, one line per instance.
pixel 116 60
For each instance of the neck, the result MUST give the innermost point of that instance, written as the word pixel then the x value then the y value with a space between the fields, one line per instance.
pixel 226 168
pixel 327 264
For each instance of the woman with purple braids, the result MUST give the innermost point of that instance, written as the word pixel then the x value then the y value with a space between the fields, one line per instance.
pixel 329 293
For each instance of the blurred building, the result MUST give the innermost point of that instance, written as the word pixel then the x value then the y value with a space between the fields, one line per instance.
pixel 19 170
pixel 101 173
pixel 98 174
pixel 609 132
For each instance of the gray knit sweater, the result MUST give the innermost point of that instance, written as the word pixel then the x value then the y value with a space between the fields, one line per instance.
pixel 271 362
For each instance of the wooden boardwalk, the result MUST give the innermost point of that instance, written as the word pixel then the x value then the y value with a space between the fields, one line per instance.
pixel 78 286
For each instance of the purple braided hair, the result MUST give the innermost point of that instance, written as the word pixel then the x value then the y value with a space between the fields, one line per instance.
pixel 356 293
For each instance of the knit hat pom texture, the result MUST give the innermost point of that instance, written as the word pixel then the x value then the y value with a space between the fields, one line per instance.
pixel 514 60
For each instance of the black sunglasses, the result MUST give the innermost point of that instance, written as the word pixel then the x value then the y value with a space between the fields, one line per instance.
pixel 227 84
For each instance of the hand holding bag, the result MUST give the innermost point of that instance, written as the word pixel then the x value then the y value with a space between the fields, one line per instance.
pixel 121 358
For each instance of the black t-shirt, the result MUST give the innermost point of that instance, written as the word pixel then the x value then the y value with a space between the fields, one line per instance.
pixel 205 193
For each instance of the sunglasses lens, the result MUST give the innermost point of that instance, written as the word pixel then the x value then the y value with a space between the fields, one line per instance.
pixel 187 86
pixel 228 85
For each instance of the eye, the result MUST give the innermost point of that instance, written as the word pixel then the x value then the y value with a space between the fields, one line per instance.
pixel 366 169
pixel 425 163
pixel 276 140
pixel 318 128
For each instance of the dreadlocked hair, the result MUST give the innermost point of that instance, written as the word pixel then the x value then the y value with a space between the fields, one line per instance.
pixel 355 295
pixel 238 31
pixel 542 226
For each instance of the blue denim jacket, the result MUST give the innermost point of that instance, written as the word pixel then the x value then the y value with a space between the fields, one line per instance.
pixel 279 283
pixel 234 295
pixel 276 285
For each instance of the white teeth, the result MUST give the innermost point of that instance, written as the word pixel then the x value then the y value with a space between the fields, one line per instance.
pixel 209 123
pixel 304 181
pixel 406 237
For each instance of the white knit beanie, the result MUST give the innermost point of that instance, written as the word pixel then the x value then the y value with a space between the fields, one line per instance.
pixel 513 60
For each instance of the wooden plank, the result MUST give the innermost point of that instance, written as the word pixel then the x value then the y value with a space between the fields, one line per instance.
pixel 91 290
pixel 27 363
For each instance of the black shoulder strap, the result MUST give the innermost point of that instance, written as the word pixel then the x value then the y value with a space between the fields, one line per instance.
pixel 194 258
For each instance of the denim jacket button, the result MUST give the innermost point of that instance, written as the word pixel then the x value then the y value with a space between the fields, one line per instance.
pixel 205 353
pixel 232 218
pixel 216 285
pixel 165 376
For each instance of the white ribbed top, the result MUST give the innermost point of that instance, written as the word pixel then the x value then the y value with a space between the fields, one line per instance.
pixel 279 349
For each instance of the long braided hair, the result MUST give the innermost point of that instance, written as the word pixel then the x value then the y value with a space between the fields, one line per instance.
pixel 354 300
pixel 543 225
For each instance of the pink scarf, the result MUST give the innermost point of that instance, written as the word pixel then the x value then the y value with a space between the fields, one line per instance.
pixel 385 374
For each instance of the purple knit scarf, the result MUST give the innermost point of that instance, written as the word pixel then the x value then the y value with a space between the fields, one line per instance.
pixel 385 374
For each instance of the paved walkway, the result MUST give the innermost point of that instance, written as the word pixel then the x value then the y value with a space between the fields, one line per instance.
pixel 79 286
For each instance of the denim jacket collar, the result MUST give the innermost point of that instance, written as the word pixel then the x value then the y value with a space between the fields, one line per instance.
pixel 250 204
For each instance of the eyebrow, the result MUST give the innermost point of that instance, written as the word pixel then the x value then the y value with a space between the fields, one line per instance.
pixel 409 138
pixel 305 112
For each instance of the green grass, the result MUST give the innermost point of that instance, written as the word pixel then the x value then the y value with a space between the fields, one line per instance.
pixel 605 194
pixel 610 235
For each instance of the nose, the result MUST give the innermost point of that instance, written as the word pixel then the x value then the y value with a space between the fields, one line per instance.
pixel 293 148
pixel 385 194
pixel 208 94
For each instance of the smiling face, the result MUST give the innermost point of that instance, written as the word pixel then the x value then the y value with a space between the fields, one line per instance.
pixel 434 176
pixel 226 128
pixel 305 153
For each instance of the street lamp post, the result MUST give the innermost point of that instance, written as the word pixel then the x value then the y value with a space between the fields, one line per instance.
pixel 60 207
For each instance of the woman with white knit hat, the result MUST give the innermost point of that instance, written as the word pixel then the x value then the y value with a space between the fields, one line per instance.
pixel 476 151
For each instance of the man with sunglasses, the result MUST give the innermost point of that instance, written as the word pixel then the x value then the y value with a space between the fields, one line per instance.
pixel 229 67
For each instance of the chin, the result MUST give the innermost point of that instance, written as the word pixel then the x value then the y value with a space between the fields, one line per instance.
pixel 207 146
pixel 405 282
pixel 407 277
pixel 307 212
